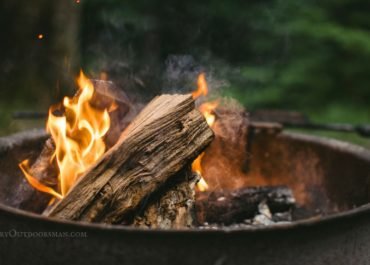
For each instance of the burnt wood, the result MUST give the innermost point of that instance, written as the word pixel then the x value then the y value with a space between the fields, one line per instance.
pixel 164 138
pixel 232 206
pixel 46 173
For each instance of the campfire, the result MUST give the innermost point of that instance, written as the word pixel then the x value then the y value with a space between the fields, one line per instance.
pixel 224 133
pixel 197 172
pixel 178 162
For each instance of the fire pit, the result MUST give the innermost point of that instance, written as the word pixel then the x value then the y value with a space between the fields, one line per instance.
pixel 331 177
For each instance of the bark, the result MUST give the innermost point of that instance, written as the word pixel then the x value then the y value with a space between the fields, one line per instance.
pixel 171 207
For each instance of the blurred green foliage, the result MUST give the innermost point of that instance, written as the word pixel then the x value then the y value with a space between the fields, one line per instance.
pixel 310 56
pixel 304 55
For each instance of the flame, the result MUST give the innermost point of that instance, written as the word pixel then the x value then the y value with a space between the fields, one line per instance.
pixel 202 89
pixel 78 137
pixel 35 183
pixel 207 109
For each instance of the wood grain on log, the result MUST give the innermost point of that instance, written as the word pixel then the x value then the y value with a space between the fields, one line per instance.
pixel 164 138
pixel 172 207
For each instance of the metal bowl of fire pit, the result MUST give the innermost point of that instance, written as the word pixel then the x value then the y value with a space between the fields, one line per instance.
pixel 331 178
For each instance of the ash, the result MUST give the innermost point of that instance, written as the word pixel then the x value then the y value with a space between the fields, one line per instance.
pixel 263 218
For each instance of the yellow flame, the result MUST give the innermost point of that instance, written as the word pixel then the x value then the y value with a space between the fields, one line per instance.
pixel 78 137
pixel 202 185
pixel 207 109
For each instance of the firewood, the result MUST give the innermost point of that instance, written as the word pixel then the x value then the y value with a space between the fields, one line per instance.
pixel 232 206
pixel 165 137
pixel 46 173
pixel 170 207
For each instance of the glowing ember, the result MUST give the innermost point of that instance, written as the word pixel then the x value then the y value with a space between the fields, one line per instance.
pixel 78 137
pixel 206 109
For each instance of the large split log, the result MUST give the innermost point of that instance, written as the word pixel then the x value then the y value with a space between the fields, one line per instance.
pixel 233 206
pixel 171 207
pixel 161 141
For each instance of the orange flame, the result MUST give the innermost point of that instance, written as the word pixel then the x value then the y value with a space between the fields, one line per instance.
pixel 35 182
pixel 78 137
pixel 202 89
pixel 206 109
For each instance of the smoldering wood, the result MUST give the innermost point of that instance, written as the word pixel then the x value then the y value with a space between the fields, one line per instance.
pixel 171 207
pixel 232 206
pixel 168 134
pixel 45 172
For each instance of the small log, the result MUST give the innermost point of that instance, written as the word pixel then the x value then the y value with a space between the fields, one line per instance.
pixel 46 173
pixel 167 135
pixel 232 206
pixel 171 207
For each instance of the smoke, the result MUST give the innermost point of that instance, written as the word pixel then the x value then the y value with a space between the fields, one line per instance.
pixel 181 74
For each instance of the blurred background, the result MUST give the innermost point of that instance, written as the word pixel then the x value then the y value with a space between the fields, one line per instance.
pixel 308 56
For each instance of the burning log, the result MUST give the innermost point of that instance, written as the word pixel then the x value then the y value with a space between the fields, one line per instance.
pixel 161 141
pixel 171 207
pixel 43 172
pixel 232 206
